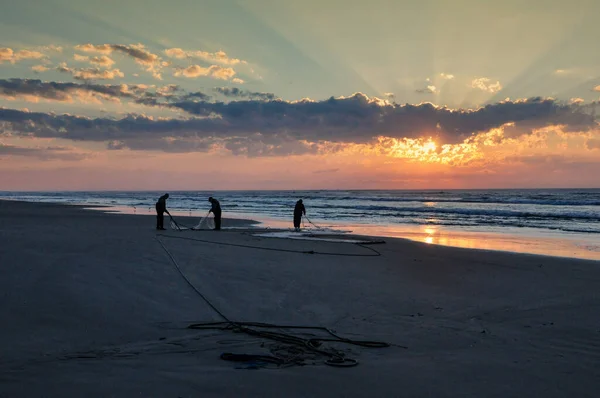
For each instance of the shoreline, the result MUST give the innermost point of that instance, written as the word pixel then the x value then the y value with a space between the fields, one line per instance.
pixel 494 242
pixel 548 244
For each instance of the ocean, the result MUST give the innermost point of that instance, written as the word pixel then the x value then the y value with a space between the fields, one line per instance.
pixel 564 222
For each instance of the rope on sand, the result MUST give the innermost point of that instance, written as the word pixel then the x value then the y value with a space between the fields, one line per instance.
pixel 374 253
pixel 295 350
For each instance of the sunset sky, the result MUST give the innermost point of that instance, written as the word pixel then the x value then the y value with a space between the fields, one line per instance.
pixel 306 94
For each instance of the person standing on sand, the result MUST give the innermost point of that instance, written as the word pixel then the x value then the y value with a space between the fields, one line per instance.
pixel 216 210
pixel 298 211
pixel 161 208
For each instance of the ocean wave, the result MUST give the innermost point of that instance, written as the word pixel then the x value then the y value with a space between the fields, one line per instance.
pixel 404 211
pixel 571 211
pixel 545 201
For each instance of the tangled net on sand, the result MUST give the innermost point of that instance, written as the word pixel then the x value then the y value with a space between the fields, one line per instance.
pixel 206 222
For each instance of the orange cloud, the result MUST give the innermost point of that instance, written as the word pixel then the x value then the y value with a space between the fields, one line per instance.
pixel 81 58
pixel 138 52
pixel 91 73
pixel 8 55
pixel 101 48
pixel 215 71
pixel 102 60
pixel 39 68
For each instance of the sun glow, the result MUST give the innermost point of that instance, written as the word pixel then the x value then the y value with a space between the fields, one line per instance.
pixel 427 151
pixel 418 148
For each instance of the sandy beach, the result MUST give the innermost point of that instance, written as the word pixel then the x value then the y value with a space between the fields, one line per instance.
pixel 97 304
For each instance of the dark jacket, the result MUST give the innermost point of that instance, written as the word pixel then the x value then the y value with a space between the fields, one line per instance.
pixel 215 206
pixel 161 205
pixel 299 210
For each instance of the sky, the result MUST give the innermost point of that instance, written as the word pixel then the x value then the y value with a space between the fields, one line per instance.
pixel 272 94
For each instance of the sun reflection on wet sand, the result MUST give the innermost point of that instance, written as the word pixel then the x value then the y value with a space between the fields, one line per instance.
pixel 561 246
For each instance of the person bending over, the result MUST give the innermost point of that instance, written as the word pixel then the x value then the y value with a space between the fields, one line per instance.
pixel 161 208
pixel 216 210
pixel 298 211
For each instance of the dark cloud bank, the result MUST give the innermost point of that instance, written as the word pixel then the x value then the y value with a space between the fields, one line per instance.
pixel 257 124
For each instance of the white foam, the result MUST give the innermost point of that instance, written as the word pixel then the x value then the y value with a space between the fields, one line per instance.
pixel 322 236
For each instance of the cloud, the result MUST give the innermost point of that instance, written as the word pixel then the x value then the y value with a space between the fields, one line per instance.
pixel 8 55
pixel 138 52
pixel 567 72
pixel 196 96
pixel 257 145
pixel 576 100
pixel 42 153
pixel 485 84
pixel 593 144
pixel 81 58
pixel 102 60
pixel 428 90
pixel 237 80
pixel 218 57
pixel 39 68
pixel 90 73
pixel 34 90
pixel 165 144
pixel 234 92
pixel 52 47
pixel 276 127
pixel 597 88
pixel 390 96
pixel 446 76
pixel 214 71
pixel 176 53
pixel 91 48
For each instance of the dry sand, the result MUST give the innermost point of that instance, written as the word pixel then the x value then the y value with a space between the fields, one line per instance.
pixel 93 306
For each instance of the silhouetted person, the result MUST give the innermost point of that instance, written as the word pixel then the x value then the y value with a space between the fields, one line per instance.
pixel 216 210
pixel 161 208
pixel 298 211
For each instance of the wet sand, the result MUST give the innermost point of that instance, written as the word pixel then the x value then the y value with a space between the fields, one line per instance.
pixel 92 304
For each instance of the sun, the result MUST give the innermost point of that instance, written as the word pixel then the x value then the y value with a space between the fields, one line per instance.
pixel 429 146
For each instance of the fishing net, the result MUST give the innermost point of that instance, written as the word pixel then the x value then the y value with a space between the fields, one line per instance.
pixel 206 222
